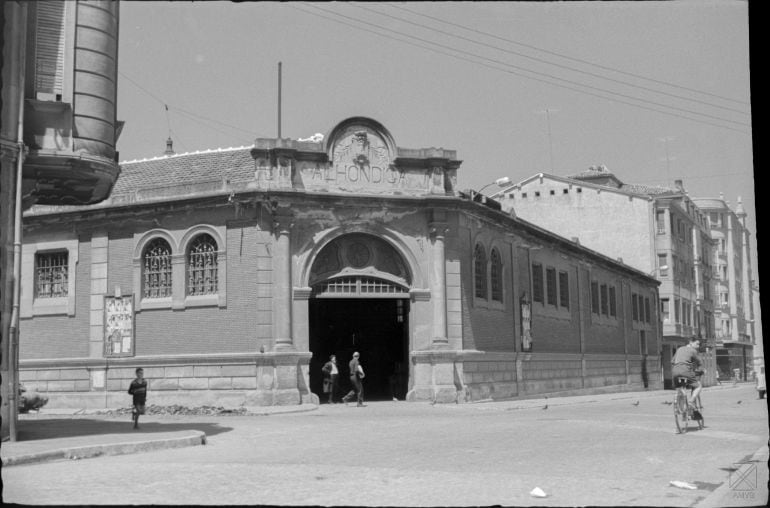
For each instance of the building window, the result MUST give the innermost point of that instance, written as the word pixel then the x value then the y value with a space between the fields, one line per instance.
pixel 564 289
pixel 202 266
pixel 156 262
pixel 634 307
pixel 480 267
pixel 51 274
pixel 676 310
pixel 613 302
pixel 550 285
pixel 647 310
pixel 595 297
pixel 604 296
pixel 49 50
pixel 660 220
pixel 640 301
pixel 496 275
pixel 663 265
pixel 537 282
pixel 664 313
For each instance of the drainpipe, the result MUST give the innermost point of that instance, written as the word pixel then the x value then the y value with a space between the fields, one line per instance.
pixel 13 332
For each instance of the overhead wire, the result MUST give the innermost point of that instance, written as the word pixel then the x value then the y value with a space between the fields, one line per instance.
pixel 387 35
pixel 190 115
pixel 573 69
pixel 574 59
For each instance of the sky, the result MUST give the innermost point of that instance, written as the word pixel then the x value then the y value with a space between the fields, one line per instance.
pixel 655 91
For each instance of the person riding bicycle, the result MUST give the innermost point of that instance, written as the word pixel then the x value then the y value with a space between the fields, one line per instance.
pixel 687 364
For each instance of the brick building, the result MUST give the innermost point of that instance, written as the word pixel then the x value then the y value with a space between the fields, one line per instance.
pixel 657 230
pixel 230 276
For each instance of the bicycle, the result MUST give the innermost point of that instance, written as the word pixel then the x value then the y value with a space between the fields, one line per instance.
pixel 683 409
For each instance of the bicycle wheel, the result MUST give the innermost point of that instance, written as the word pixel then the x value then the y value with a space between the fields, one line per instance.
pixel 680 411
pixel 699 414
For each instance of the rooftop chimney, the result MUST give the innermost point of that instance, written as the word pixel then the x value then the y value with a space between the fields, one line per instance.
pixel 169 147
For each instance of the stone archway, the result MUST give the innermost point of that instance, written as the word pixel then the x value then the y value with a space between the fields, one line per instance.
pixel 359 301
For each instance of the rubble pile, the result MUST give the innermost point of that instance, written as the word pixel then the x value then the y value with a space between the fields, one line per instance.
pixel 176 409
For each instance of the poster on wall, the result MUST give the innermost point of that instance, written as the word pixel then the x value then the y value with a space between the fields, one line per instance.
pixel 526 324
pixel 119 325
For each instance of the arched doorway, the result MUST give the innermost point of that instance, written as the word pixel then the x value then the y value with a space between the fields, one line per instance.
pixel 360 302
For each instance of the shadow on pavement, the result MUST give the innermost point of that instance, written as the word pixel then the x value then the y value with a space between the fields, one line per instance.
pixel 57 428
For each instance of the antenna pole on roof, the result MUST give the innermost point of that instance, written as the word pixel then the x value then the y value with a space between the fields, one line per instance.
pixel 279 100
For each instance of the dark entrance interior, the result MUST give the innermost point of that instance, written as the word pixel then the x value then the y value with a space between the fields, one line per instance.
pixel 376 328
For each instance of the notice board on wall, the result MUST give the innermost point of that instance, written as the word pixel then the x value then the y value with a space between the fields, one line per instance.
pixel 119 325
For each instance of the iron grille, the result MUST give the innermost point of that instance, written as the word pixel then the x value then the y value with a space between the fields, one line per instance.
pixel 202 277
pixel 157 270
pixel 51 275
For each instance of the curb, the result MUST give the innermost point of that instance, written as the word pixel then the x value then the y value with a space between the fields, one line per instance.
pixel 84 452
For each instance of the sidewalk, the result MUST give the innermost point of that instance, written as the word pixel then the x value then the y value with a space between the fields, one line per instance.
pixel 75 434
pixel 71 434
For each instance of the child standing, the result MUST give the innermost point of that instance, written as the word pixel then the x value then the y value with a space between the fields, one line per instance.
pixel 138 389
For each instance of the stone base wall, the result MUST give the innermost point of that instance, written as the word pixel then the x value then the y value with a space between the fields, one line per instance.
pixel 228 381
pixel 477 375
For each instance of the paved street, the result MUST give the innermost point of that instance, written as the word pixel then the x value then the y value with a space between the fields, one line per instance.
pixel 609 452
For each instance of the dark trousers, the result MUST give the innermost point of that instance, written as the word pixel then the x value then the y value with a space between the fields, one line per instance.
pixel 332 387
pixel 358 389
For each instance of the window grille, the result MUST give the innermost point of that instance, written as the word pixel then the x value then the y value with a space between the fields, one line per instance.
pixel 202 277
pixel 537 282
pixel 550 285
pixel 357 286
pixel 157 269
pixel 480 267
pixel 564 289
pixel 496 276
pixel 51 274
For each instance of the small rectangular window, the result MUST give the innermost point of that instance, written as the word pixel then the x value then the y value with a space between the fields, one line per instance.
pixel 595 297
pixel 579 189
pixel 634 307
pixel 646 310
pixel 537 282
pixel 524 194
pixel 613 302
pixel 51 274
pixel 564 289
pixel 553 192
pixel 660 217
pixel 664 312
pixel 604 302
pixel 550 285
pixel 663 265
pixel 537 194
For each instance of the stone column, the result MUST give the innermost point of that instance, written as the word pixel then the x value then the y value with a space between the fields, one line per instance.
pixel 438 286
pixel 282 298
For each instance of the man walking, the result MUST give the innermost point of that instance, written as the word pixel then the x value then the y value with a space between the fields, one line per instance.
pixel 356 375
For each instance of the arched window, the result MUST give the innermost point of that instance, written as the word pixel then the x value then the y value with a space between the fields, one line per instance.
pixel 202 276
pixel 496 275
pixel 480 271
pixel 156 263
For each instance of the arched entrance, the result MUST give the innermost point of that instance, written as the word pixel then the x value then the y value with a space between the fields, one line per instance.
pixel 360 302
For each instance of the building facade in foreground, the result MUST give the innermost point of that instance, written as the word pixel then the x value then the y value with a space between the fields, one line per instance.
pixel 58 129
pixel 232 275
pixel 657 230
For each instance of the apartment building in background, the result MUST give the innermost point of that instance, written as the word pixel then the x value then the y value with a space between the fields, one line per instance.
pixel 735 324
pixel 657 230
